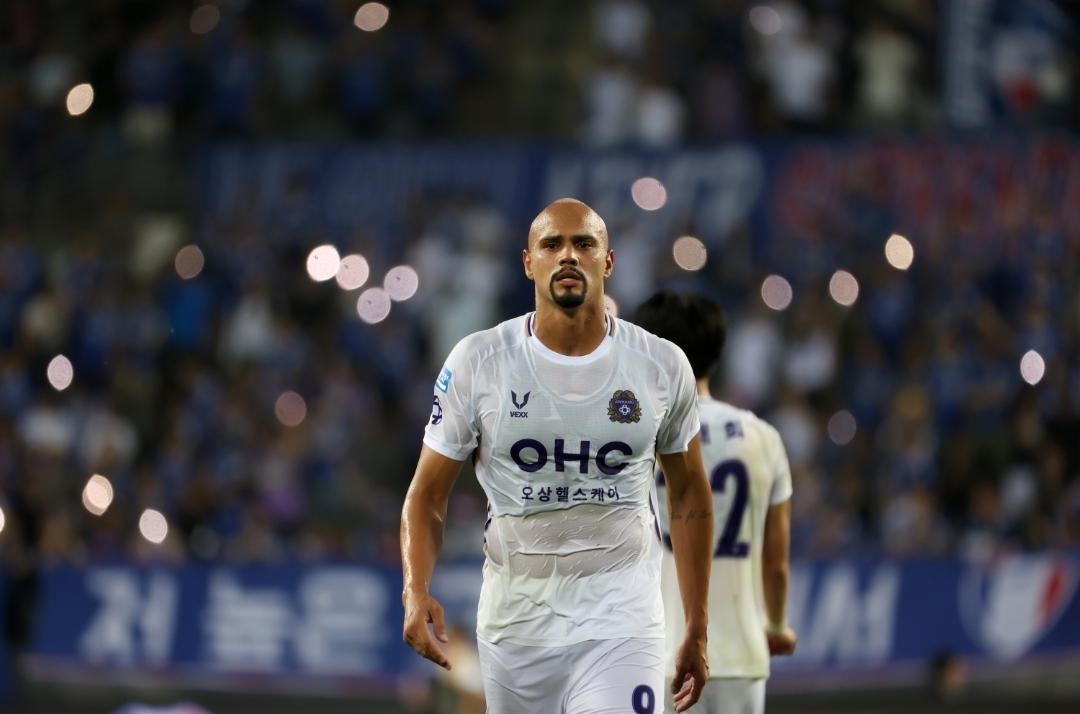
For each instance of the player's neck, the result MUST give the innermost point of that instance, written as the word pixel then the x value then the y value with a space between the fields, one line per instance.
pixel 573 333
pixel 703 388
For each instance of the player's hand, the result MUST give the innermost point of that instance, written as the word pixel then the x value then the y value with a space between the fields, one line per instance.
pixel 691 670
pixel 782 643
pixel 420 610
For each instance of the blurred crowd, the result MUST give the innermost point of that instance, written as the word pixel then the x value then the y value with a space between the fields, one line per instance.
pixel 176 380
pixel 607 72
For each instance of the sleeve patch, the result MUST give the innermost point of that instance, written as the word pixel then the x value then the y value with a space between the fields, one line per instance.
pixel 443 382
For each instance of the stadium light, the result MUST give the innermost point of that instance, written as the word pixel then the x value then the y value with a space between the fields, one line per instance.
pixel 60 373
pixel 690 253
pixel 290 408
pixel 765 20
pixel 844 288
pixel 842 427
pixel 371 16
pixel 353 272
pixel 373 305
pixel 776 292
pixel 153 526
pixel 401 282
pixel 79 99
pixel 189 261
pixel 899 252
pixel 97 495
pixel 648 193
pixel 204 19
pixel 1032 367
pixel 323 263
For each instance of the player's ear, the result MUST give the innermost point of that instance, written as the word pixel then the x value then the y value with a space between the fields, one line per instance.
pixel 526 260
pixel 609 263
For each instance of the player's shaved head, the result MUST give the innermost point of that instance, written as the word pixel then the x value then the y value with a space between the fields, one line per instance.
pixel 567 253
pixel 568 217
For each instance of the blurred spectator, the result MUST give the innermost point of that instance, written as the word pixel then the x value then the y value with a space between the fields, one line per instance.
pixel 886 61
pixel 621 26
pixel 798 67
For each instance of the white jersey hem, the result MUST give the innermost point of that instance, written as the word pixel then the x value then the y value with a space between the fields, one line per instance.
pixel 606 634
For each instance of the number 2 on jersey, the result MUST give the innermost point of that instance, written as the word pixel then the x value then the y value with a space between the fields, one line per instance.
pixel 729 545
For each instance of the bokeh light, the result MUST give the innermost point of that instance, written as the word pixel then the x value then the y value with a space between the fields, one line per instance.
pixel 79 99
pixel 60 373
pixel 776 292
pixel 371 16
pixel 1032 367
pixel 353 272
pixel 899 252
pixel 765 20
pixel 373 305
pixel 401 282
pixel 204 19
pixel 610 306
pixel 323 263
pixel 97 494
pixel 649 194
pixel 290 408
pixel 690 253
pixel 153 526
pixel 3 519
pixel 189 261
pixel 842 427
pixel 844 288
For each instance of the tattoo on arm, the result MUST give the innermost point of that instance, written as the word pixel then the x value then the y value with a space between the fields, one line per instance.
pixel 692 515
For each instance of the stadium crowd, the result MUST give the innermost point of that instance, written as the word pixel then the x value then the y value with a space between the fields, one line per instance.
pixel 176 380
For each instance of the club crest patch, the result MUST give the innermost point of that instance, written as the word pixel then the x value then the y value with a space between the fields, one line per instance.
pixel 624 408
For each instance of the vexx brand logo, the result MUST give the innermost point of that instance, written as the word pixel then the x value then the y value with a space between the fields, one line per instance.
pixel 519 414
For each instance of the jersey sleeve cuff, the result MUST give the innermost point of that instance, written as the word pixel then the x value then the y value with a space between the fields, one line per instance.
pixel 682 446
pixel 450 452
pixel 780 496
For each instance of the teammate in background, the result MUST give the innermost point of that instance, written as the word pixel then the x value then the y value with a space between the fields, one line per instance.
pixel 751 486
pixel 564 412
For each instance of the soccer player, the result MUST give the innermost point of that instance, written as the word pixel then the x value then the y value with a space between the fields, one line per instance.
pixel 751 486
pixel 564 412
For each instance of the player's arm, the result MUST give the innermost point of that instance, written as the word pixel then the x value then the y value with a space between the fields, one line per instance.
pixel 423 521
pixel 691 521
pixel 776 573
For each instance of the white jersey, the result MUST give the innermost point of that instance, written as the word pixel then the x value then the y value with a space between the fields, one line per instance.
pixel 748 471
pixel 564 448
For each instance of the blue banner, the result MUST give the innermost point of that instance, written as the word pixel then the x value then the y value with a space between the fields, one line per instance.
pixel 784 192
pixel 856 620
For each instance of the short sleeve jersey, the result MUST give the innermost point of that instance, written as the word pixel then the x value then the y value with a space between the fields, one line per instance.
pixel 748 471
pixel 565 450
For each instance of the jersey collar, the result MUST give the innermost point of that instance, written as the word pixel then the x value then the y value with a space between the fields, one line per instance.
pixel 552 356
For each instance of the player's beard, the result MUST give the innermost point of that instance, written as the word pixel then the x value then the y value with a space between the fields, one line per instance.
pixel 569 300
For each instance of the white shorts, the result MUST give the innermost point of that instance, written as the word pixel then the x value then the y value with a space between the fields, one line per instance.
pixel 727 696
pixel 624 676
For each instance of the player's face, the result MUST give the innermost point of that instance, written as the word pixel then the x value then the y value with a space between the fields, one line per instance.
pixel 568 257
